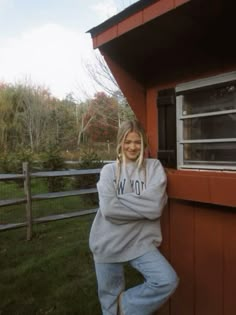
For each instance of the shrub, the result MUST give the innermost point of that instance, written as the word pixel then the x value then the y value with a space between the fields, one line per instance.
pixel 53 161
pixel 89 160
pixel 12 162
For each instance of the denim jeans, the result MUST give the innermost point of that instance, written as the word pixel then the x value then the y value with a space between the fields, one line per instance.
pixel 143 299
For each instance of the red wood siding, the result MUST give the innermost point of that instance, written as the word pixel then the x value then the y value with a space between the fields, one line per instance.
pixel 129 24
pixel 157 9
pixel 133 90
pixel 203 186
pixel 200 241
pixel 229 261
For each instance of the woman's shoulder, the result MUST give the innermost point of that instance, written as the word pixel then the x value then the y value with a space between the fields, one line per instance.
pixel 154 165
pixel 154 169
pixel 150 162
pixel 108 168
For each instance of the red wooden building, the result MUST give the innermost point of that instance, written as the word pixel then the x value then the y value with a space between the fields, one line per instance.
pixel 175 61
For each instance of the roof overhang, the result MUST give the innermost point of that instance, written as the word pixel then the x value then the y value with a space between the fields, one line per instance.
pixel 134 16
pixel 162 36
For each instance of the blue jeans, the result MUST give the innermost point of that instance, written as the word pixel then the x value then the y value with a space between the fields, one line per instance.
pixel 143 299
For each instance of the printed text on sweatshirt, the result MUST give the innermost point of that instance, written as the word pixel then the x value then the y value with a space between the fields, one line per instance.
pixel 127 224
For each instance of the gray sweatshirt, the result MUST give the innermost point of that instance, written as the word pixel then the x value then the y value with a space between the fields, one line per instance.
pixel 127 224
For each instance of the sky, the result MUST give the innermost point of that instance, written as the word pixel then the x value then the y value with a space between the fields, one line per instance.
pixel 44 42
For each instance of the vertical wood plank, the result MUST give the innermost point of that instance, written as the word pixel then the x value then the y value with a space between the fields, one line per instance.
pixel 230 262
pixel 165 227
pixel 164 248
pixel 208 261
pixel 182 256
pixel 200 242
pixel 164 310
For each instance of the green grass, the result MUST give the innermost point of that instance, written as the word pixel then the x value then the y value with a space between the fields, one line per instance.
pixel 51 274
pixel 42 208
pixel 17 213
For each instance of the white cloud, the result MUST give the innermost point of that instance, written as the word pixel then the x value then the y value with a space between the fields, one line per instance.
pixel 50 55
pixel 105 9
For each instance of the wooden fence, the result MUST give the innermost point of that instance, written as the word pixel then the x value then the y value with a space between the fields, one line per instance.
pixel 26 176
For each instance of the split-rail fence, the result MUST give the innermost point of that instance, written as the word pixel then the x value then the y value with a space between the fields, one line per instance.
pixel 26 176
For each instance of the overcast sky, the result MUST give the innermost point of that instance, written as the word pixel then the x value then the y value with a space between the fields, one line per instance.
pixel 45 41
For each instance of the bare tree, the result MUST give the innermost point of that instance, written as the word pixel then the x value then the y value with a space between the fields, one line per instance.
pixel 100 73
pixel 81 109
pixel 82 123
pixel 31 114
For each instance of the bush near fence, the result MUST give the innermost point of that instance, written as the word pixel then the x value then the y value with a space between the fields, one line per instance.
pixel 28 197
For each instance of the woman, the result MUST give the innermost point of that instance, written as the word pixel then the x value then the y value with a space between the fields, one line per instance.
pixel 132 195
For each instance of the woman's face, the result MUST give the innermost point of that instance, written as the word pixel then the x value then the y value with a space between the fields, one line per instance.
pixel 132 146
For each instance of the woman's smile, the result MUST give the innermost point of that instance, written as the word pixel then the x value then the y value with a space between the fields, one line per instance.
pixel 132 146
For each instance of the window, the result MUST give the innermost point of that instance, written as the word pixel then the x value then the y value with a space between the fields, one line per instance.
pixel 206 123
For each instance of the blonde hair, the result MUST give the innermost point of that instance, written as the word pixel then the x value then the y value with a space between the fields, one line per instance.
pixel 125 128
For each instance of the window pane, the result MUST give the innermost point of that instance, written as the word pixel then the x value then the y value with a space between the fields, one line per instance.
pixel 210 100
pixel 213 127
pixel 210 153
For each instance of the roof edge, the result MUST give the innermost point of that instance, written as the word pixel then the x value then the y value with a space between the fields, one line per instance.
pixel 132 9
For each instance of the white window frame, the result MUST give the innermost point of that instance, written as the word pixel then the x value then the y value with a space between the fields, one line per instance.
pixel 193 85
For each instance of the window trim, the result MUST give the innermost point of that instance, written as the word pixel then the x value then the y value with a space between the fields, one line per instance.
pixel 209 81
pixel 190 87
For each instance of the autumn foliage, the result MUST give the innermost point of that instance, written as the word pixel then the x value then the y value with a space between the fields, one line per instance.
pixel 103 110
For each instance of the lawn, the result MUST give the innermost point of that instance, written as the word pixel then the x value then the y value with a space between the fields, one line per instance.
pixel 51 274
pixel 17 213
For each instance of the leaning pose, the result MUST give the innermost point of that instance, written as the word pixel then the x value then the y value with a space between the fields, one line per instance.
pixel 126 228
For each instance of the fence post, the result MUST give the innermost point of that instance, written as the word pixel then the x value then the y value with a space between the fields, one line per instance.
pixel 27 189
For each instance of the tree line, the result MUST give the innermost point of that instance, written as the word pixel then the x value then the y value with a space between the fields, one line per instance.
pixel 32 119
